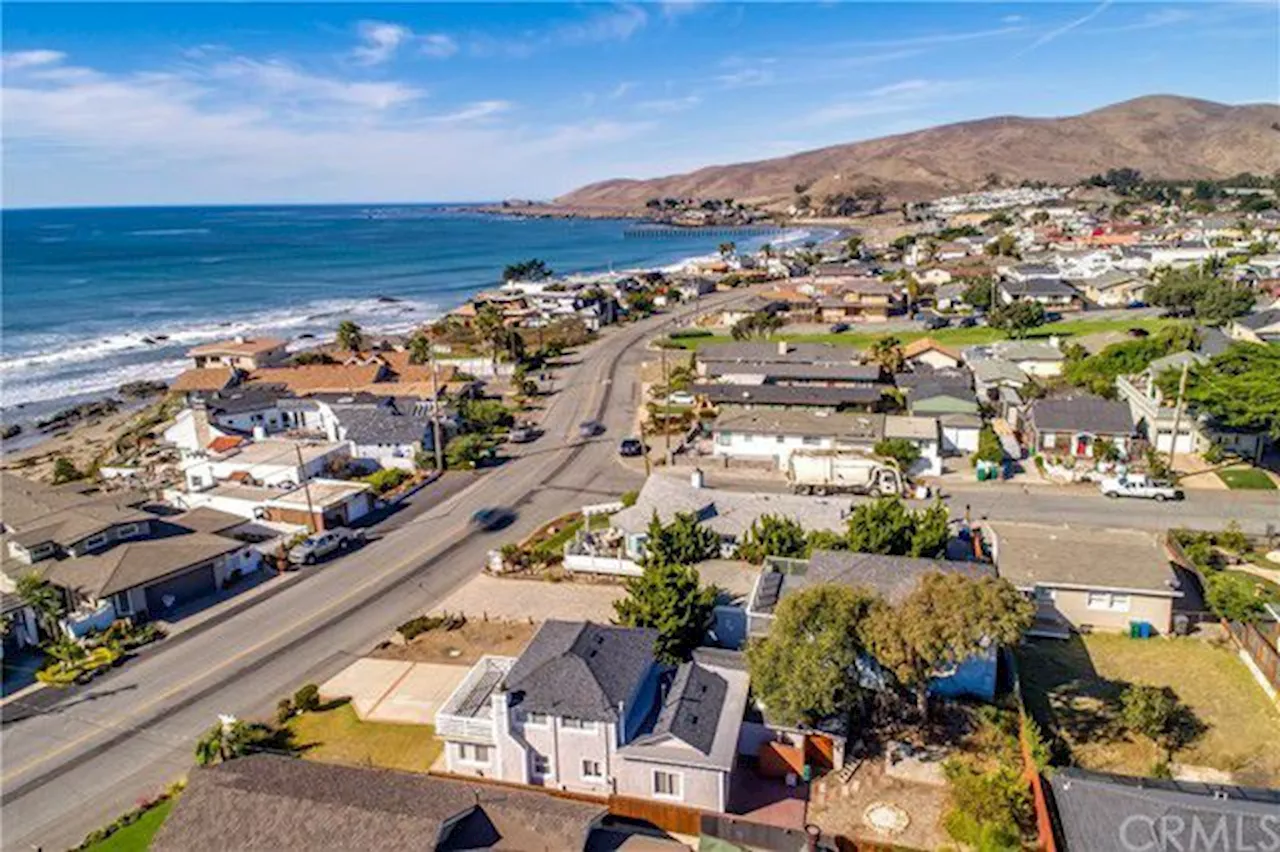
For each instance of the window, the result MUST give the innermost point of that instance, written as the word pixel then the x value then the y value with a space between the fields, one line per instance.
pixel 126 530
pixel 781 439
pixel 572 724
pixel 541 764
pixel 120 600
pixel 810 441
pixel 537 720
pixel 1108 602
pixel 95 541
pixel 666 785
pixel 469 753
pixel 591 770
pixel 724 439
pixel 748 438
pixel 1046 595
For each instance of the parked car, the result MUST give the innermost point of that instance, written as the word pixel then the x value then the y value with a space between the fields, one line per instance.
pixel 1140 486
pixel 590 428
pixel 492 518
pixel 933 321
pixel 522 433
pixel 315 547
pixel 630 447
pixel 838 327
pixel 967 321
pixel 680 398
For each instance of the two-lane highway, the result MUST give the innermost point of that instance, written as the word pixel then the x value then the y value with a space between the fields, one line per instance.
pixel 74 765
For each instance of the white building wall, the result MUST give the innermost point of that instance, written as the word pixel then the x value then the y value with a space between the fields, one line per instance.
pixel 699 787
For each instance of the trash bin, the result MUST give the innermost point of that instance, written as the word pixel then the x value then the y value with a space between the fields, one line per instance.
pixel 1139 630
pixel 1181 625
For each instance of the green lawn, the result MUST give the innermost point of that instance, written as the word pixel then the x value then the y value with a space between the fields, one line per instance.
pixel 1246 478
pixel 1073 689
pixel 952 336
pixel 336 735
pixel 136 837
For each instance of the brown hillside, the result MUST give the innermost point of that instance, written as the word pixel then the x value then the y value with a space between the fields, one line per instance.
pixel 1161 135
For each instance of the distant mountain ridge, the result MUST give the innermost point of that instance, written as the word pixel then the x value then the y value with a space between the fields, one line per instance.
pixel 1163 136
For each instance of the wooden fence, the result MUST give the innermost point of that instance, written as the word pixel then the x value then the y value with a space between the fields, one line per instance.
pixel 1259 641
pixel 667 816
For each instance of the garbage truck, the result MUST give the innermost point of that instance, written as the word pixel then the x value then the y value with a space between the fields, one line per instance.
pixel 833 471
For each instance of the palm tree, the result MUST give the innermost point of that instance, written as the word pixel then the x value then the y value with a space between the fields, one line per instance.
pixel 887 352
pixel 44 599
pixel 228 739
pixel 350 337
pixel 419 349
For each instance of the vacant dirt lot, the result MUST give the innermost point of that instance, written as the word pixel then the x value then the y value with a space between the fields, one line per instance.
pixel 464 645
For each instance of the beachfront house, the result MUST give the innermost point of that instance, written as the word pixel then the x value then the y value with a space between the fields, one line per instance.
pixel 241 353
pixel 586 708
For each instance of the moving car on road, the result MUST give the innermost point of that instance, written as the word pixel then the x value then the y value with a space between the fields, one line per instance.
pixel 492 518
pixel 590 428
pixel 315 547
pixel 1140 486
pixel 630 447
pixel 522 433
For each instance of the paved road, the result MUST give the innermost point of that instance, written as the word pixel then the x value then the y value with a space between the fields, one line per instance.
pixel 1205 510
pixel 74 763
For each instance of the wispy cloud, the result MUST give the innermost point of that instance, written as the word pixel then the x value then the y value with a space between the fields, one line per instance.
pixel 669 105
pixel 279 81
pixel 942 38
pixel 475 112
pixel 438 45
pixel 610 24
pixel 1058 32
pixel 379 41
pixel 901 97
pixel 30 59
pixel 678 8
pixel 621 90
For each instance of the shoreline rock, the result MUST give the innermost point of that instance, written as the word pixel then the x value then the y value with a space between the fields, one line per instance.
pixel 142 389
pixel 69 417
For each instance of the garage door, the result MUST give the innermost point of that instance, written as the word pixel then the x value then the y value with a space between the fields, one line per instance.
pixel 176 591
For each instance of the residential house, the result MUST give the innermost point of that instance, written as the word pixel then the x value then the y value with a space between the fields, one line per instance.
pixel 1042 359
pixel 1028 271
pixel 892 578
pixel 1072 426
pixel 383 431
pixel 1259 327
pixel 275 462
pixel 1094 810
pixel 318 504
pixel 729 514
pixel 950 297
pixel 936 277
pixel 757 304
pixel 242 353
pixel 925 434
pixel 1053 293
pixel 938 393
pixel 206 380
pixel 1115 288
pixel 271 801
pixel 727 359
pixel 587 708
pixel 110 558
pixel 1084 263
pixel 930 353
pixel 856 300
pixel 1087 578
pixel 991 376
pixel 861 397
pixel 771 435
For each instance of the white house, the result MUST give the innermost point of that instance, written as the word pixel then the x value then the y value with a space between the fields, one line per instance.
pixel 772 435
pixel 275 462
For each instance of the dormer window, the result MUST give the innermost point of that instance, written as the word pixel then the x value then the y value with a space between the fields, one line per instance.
pixel 93 542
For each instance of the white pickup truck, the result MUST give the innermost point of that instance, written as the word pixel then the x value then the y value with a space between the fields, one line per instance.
pixel 1140 486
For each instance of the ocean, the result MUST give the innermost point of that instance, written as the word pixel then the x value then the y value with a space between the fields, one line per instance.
pixel 93 298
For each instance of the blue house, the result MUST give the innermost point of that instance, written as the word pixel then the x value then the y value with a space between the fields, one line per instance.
pixel 892 578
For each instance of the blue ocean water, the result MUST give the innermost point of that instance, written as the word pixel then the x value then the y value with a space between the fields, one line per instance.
pixel 93 298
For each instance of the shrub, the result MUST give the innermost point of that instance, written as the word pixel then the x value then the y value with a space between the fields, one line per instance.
pixel 307 698
pixel 1214 453
pixel 689 332
pixel 65 471
pixel 284 711
pixel 987 806
pixel 629 499
pixel 989 449
pixel 386 479
pixel 900 450
pixel 1233 597
pixel 420 624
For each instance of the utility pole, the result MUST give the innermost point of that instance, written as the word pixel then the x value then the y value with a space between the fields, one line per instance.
pixel 666 421
pixel 436 443
pixel 1177 414
pixel 306 488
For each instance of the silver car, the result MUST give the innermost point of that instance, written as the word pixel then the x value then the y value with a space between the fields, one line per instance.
pixel 317 546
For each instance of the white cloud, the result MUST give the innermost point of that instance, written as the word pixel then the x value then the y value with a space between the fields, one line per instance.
pixel 30 59
pixel 942 38
pixel 615 23
pixel 1055 33
pixel 275 79
pixel 679 8
pixel 669 105
pixel 257 130
pixel 901 97
pixel 621 90
pixel 438 45
pixel 380 41
pixel 1012 19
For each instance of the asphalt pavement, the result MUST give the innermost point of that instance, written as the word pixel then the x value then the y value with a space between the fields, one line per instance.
pixel 73 762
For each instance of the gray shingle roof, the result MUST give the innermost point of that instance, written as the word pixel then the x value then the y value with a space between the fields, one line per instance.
pixel 1091 414
pixel 580 669
pixel 383 424
pixel 867 428
pixel 813 395
pixel 691 708
pixel 825 372
pixel 1039 287
pixel 769 353
pixel 1259 320
pixel 282 803
pixel 1098 811
pixel 1083 556
pixel 892 578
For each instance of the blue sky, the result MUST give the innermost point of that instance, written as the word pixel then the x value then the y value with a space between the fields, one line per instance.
pixel 153 103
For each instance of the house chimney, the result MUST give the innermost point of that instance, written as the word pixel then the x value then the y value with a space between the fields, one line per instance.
pixel 697 479
pixel 204 432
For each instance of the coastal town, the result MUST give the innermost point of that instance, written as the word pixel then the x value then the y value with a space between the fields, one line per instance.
pixel 957 529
